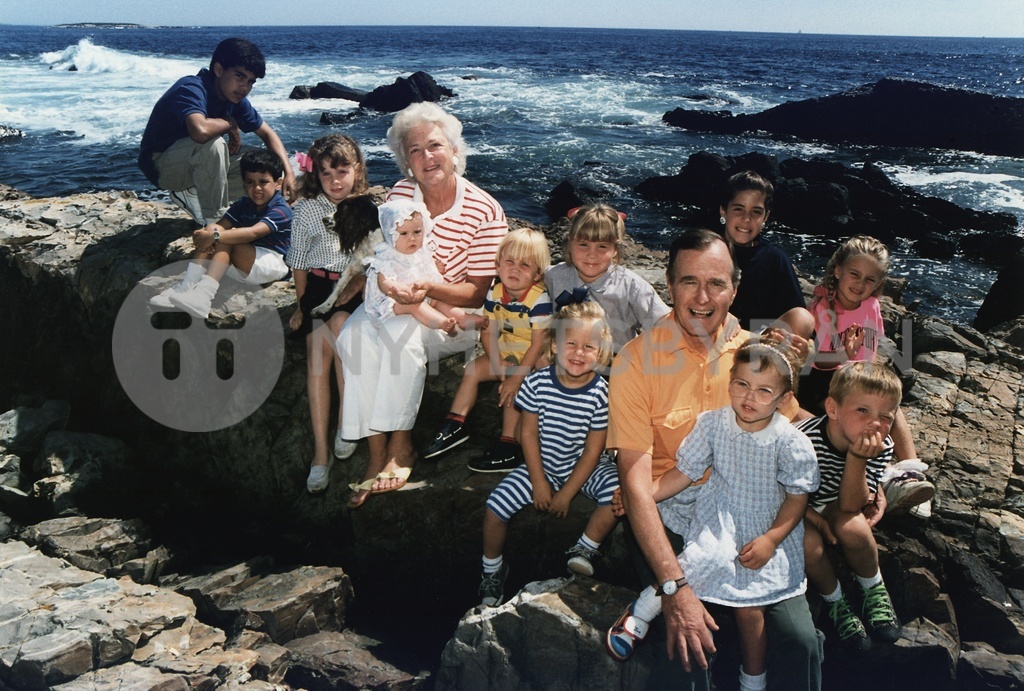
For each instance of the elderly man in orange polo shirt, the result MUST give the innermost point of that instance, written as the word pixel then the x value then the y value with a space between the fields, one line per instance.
pixel 660 382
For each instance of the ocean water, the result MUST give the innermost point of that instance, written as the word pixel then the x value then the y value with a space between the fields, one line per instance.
pixel 539 106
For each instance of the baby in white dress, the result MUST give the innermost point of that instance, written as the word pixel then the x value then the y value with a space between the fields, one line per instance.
pixel 404 266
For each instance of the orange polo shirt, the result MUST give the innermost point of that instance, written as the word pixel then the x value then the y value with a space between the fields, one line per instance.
pixel 661 382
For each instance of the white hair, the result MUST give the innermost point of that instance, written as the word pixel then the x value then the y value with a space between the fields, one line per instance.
pixel 419 114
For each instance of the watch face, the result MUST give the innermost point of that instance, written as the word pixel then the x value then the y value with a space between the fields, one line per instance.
pixel 669 587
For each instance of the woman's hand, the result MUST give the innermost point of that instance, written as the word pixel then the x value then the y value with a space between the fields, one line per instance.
pixel 296 319
pixel 409 295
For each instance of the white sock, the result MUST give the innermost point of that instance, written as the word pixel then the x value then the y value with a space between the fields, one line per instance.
pixel 648 605
pixel 588 543
pixel 871 582
pixel 835 596
pixel 492 565
pixel 193 273
pixel 758 682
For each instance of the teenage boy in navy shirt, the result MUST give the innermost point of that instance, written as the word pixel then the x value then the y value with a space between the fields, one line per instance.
pixel 183 148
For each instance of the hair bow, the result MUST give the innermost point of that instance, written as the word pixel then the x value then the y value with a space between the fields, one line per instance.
pixel 304 161
pixel 573 297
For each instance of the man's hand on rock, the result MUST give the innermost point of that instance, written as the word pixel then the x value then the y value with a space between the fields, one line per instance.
pixel 689 628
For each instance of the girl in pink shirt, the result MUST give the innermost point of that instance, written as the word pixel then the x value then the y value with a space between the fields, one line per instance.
pixel 847 316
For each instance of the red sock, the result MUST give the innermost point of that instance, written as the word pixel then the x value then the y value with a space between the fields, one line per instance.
pixel 508 440
pixel 461 419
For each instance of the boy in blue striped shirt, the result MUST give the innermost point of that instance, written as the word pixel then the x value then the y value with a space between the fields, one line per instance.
pixel 564 425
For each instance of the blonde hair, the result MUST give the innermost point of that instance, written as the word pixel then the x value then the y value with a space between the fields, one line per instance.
pixel 865 377
pixel 420 114
pixel 596 223
pixel 761 352
pixel 569 316
pixel 526 244
pixel 857 246
pixel 337 150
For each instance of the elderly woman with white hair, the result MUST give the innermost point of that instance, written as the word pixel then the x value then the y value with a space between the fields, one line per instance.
pixel 385 364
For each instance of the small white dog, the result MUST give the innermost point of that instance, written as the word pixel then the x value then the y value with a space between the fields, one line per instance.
pixel 357 225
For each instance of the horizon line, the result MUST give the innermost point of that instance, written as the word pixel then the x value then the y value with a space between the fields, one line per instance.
pixel 795 32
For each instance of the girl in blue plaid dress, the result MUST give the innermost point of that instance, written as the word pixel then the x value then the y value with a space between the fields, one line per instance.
pixel 744 544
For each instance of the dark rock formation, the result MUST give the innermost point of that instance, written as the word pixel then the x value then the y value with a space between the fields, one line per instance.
pixel 563 197
pixel 336 90
pixel 1005 299
pixel 328 118
pixel 819 197
pixel 327 90
pixel 891 112
pixel 417 87
pixel 390 98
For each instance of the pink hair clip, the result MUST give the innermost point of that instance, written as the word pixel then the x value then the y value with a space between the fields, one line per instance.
pixel 304 161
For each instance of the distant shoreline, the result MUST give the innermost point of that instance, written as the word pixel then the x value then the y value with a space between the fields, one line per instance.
pixel 100 25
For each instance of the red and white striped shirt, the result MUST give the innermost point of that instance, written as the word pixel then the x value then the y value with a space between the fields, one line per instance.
pixel 466 237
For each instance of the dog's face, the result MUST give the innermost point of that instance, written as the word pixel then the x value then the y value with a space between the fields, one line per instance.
pixel 355 218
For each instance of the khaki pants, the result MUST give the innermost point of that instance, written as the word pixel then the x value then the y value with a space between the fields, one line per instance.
pixel 206 167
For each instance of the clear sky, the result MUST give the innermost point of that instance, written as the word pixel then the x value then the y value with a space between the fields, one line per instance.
pixel 1002 18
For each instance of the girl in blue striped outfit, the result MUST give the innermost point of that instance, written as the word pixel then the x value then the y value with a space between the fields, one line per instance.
pixel 564 425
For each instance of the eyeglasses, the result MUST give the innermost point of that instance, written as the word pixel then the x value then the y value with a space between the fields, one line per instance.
pixel 762 396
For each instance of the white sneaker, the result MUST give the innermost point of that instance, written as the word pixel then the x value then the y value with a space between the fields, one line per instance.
pixel 162 299
pixel 198 299
pixel 922 510
pixel 343 449
pixel 319 477
pixel 907 490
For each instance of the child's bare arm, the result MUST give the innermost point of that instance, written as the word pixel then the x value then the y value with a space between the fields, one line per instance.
pixel 853 486
pixel 670 484
pixel 581 472
pixel 514 378
pixel 758 551
pixel 490 343
pixel 529 437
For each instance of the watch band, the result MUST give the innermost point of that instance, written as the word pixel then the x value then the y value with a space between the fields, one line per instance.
pixel 680 582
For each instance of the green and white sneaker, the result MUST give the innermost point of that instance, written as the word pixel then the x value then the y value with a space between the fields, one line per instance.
pixel 879 615
pixel 850 629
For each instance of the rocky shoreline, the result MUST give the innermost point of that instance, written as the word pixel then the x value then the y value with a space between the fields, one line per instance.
pixel 110 520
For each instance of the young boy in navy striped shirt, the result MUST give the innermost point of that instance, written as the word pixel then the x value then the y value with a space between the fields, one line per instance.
pixel 564 425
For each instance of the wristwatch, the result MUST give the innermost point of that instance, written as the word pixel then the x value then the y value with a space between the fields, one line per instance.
pixel 216 235
pixel 671 587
